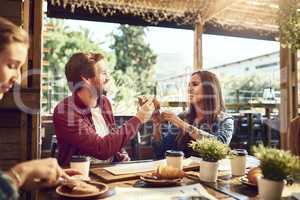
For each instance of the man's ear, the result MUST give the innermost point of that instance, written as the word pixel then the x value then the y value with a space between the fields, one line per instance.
pixel 85 80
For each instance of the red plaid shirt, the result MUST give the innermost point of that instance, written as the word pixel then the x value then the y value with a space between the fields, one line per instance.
pixel 76 133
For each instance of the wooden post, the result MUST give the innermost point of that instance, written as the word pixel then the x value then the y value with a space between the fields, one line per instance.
pixel 198 64
pixel 37 36
pixel 288 89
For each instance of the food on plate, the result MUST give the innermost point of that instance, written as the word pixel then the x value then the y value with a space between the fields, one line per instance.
pixel 253 174
pixel 169 172
pixel 80 187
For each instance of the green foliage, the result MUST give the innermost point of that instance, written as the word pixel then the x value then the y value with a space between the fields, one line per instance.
pixel 131 64
pixel 210 149
pixel 289 24
pixel 134 69
pixel 61 43
pixel 277 165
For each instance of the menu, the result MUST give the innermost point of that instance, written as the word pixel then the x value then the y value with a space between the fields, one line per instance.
pixel 169 193
pixel 131 168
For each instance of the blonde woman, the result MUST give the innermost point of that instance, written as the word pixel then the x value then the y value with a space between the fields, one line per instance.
pixel 13 52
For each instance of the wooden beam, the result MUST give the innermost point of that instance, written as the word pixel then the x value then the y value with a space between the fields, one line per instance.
pixel 36 78
pixel 288 91
pixel 198 59
pixel 26 19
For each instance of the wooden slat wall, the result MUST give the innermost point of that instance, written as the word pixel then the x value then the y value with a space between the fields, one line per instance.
pixel 11 9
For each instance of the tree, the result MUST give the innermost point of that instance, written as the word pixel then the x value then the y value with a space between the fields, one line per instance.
pixel 134 69
pixel 60 43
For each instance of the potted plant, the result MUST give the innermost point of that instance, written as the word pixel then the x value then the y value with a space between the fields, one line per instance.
pixel 277 166
pixel 211 151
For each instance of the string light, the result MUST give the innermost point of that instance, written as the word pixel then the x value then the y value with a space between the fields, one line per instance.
pixel 241 14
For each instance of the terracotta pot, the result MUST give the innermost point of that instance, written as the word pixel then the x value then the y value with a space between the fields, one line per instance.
pixel 270 190
pixel 209 171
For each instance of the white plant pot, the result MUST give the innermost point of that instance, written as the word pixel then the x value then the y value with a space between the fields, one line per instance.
pixel 270 190
pixel 209 171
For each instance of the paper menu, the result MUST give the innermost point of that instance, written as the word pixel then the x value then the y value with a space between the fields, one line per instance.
pixel 134 167
pixel 144 167
pixel 169 193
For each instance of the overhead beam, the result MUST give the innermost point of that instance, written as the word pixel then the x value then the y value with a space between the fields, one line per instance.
pixel 198 58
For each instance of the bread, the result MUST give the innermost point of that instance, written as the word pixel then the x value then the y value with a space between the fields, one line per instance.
pixel 80 187
pixel 168 172
pixel 253 174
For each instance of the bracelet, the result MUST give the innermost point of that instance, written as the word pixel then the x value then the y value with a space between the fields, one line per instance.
pixel 17 177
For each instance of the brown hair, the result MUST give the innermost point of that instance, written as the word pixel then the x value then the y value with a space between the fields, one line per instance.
pixel 81 64
pixel 213 103
pixel 10 33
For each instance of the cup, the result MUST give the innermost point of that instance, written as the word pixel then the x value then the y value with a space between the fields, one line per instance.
pixel 174 159
pixel 238 162
pixel 82 164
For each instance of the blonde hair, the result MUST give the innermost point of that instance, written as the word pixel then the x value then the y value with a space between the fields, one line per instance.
pixel 10 33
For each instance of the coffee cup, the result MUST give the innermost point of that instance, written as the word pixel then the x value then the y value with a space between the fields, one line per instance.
pixel 174 159
pixel 82 164
pixel 238 162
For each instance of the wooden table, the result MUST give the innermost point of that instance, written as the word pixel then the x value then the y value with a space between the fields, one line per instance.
pixel 226 188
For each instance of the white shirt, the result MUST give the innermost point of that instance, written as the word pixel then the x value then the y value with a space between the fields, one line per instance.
pixel 101 130
pixel 99 122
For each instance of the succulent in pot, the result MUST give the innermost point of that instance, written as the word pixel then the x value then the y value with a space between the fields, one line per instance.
pixel 277 166
pixel 211 151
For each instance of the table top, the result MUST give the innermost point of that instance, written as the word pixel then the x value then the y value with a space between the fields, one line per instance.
pixel 226 188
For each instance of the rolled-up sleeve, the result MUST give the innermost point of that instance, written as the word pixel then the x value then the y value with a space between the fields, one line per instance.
pixel 225 130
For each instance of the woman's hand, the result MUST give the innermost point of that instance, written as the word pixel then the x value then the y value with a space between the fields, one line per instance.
pixel 35 174
pixel 172 117
pixel 122 156
pixel 156 116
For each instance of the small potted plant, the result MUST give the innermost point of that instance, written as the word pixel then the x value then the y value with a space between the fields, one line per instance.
pixel 277 166
pixel 211 151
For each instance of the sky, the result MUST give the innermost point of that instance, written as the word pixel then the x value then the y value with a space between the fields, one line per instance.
pixel 217 50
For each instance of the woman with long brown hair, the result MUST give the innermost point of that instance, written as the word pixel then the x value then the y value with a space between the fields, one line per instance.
pixel 205 117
